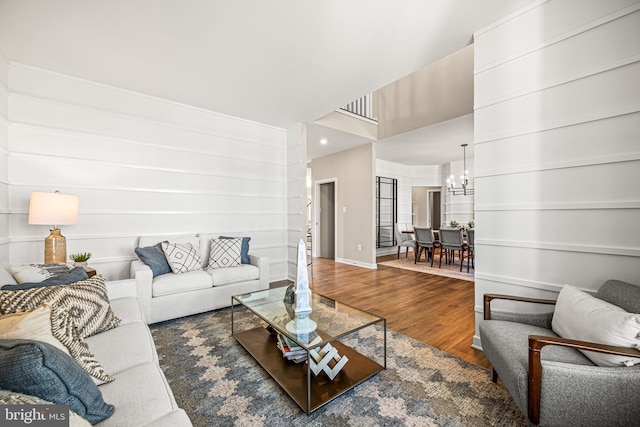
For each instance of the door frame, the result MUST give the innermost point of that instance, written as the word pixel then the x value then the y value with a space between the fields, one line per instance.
pixel 316 216
pixel 430 192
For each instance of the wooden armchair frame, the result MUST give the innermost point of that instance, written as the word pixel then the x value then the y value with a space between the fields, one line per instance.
pixel 537 343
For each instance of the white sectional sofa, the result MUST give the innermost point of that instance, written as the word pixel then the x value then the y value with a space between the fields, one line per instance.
pixel 170 295
pixel 140 392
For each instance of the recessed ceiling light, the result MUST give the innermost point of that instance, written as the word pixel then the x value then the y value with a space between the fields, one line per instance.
pixel 323 141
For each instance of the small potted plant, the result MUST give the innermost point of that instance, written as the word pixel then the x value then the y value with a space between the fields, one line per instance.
pixel 453 223
pixel 472 224
pixel 80 259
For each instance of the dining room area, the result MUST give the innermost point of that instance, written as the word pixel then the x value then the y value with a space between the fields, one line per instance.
pixel 429 228
pixel 447 251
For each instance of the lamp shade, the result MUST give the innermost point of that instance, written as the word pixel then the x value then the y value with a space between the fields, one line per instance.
pixel 53 208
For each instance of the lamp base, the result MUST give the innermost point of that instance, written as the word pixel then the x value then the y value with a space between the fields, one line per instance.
pixel 55 247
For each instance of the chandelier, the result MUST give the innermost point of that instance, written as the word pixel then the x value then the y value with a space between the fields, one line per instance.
pixel 464 189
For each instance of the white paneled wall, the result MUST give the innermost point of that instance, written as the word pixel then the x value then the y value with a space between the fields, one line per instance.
pixel 408 177
pixel 141 166
pixel 4 159
pixel 296 194
pixel 557 148
pixel 403 174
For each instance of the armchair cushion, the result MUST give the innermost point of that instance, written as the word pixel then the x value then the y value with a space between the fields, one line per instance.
pixel 624 295
pixel 506 345
pixel 581 316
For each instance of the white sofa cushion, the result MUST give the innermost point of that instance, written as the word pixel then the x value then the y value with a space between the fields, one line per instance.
pixel 127 309
pixel 580 316
pixel 140 396
pixel 123 347
pixel 227 276
pixel 169 284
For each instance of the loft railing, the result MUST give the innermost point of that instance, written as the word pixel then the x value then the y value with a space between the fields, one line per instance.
pixel 362 107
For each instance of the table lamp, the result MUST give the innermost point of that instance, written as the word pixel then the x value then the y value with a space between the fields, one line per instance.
pixel 54 209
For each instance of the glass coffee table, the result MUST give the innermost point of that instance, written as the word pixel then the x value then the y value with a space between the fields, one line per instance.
pixel 257 318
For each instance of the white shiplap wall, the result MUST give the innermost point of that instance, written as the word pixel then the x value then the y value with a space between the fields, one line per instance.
pixel 403 174
pixel 296 194
pixel 557 148
pixel 4 159
pixel 408 177
pixel 141 166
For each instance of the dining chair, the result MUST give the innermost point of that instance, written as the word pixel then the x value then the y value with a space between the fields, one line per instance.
pixel 404 239
pixel 471 246
pixel 451 240
pixel 425 241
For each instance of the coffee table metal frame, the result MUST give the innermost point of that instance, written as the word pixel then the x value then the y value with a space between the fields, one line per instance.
pixel 310 392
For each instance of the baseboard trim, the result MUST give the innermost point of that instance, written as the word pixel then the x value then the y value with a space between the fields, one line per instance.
pixel 477 344
pixel 357 263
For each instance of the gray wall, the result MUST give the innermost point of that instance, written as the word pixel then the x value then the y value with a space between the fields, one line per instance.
pixel 355 188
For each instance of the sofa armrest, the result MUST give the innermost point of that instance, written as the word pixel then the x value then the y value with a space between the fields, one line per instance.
pixel 537 343
pixel 263 265
pixel 143 276
pixel 121 288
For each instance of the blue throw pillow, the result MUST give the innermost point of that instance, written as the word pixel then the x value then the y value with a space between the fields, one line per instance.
pixel 41 370
pixel 244 250
pixel 75 275
pixel 154 257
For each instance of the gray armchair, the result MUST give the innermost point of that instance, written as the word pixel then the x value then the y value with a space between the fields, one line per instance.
pixel 404 239
pixel 552 382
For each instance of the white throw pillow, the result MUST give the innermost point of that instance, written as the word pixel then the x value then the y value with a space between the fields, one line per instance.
pixel 36 273
pixel 32 325
pixel 225 253
pixel 580 316
pixel 182 257
pixel 36 325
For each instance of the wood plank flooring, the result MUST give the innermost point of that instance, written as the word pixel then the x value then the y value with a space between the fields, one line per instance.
pixel 436 310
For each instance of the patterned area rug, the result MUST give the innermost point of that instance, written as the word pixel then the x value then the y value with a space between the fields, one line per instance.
pixel 219 384
pixel 452 270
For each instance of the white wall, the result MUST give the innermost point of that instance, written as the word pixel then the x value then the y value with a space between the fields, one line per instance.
pixel 557 148
pixel 296 194
pixel 141 166
pixel 408 177
pixel 4 159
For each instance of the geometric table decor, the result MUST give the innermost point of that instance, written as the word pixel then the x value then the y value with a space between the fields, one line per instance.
pixel 320 361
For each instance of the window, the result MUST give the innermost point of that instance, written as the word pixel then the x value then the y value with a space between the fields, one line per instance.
pixel 386 211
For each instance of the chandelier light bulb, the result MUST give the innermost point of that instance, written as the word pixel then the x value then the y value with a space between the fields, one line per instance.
pixel 464 189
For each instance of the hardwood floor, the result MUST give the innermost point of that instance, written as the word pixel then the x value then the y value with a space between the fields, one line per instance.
pixel 436 310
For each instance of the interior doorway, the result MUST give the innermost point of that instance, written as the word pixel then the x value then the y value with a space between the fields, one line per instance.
pixel 434 209
pixel 326 219
pixel 426 207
